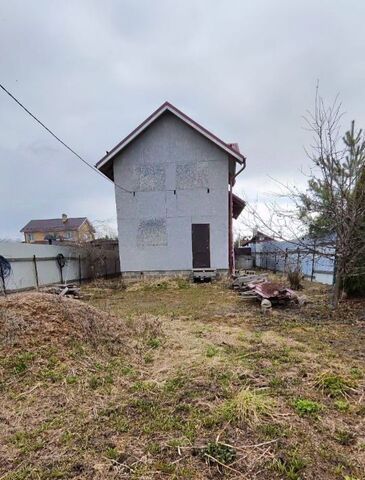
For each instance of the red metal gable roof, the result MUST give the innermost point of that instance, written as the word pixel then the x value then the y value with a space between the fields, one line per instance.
pixel 104 165
pixel 53 224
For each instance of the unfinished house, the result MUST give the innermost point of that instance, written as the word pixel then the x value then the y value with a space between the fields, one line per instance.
pixel 173 190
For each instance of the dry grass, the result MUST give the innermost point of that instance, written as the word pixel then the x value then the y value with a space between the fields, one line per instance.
pixel 251 406
pixel 169 380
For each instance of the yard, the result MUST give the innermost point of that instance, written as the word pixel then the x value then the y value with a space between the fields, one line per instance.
pixel 168 379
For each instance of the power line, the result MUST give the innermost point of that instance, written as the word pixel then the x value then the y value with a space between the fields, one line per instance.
pixel 59 139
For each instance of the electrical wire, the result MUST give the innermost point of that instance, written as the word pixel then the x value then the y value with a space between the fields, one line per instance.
pixel 68 147
pixel 59 139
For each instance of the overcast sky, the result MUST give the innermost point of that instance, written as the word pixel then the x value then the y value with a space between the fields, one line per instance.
pixel 93 70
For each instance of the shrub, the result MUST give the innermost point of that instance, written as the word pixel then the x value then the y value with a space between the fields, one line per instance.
pixel 295 278
pixel 355 285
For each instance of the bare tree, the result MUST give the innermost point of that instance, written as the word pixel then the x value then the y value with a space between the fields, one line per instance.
pixel 333 206
pixel 334 203
pixel 105 229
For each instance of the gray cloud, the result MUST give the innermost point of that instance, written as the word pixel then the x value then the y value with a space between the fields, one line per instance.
pixel 93 70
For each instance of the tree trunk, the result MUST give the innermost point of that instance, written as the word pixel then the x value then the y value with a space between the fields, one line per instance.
pixel 338 283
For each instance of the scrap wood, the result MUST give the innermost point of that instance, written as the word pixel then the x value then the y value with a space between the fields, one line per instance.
pixel 243 281
pixel 271 290
pixel 258 286
pixel 63 292
pixel 69 290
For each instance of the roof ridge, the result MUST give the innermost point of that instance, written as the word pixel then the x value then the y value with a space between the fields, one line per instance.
pixel 55 218
pixel 44 224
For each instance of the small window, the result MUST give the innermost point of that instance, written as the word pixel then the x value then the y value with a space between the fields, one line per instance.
pixel 68 235
pixel 30 237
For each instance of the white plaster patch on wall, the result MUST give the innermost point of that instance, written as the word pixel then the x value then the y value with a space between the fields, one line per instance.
pixel 152 233
pixel 191 175
pixel 151 177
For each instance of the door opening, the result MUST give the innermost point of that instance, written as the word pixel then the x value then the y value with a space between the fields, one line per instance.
pixel 200 234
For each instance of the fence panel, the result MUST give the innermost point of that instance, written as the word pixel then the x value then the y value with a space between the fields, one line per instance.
pixel 315 262
pixel 36 265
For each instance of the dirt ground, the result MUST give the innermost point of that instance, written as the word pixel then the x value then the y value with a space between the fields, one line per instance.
pixel 174 380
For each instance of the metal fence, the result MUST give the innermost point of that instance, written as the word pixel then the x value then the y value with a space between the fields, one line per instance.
pixel 316 262
pixel 34 266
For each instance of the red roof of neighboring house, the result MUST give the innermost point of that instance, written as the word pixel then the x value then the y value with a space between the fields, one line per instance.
pixel 54 225
pixel 105 164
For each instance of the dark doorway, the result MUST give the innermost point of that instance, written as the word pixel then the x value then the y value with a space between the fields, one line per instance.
pixel 201 245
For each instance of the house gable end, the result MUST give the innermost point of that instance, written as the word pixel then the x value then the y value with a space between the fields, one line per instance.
pixel 105 165
pixel 170 155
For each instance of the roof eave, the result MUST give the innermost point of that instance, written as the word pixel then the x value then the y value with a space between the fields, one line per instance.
pixel 238 206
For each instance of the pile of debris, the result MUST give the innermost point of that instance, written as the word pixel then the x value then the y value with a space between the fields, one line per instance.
pixel 34 317
pixel 251 285
pixel 68 290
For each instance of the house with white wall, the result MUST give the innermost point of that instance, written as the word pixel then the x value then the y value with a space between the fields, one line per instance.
pixel 174 195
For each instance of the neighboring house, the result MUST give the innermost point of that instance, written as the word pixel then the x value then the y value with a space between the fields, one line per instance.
pixel 257 237
pixel 58 229
pixel 174 207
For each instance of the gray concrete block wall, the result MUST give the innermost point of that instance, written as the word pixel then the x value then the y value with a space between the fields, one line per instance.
pixel 155 224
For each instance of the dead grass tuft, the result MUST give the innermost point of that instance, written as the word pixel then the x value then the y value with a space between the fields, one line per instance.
pixel 251 406
pixel 335 385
